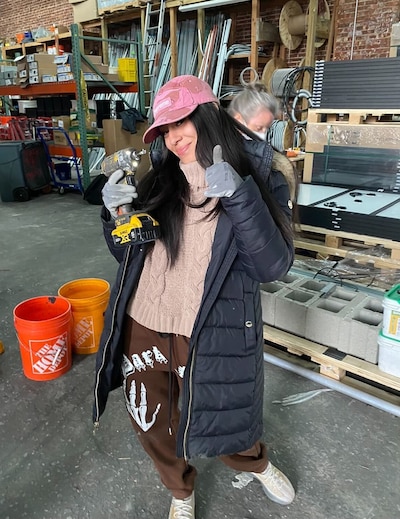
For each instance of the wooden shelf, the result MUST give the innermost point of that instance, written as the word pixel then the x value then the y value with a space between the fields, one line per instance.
pixel 261 59
pixel 49 39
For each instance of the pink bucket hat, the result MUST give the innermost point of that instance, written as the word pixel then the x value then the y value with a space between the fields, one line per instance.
pixel 177 99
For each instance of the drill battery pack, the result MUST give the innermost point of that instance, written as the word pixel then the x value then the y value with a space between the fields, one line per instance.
pixel 134 228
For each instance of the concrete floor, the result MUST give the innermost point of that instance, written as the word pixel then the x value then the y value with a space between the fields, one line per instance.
pixel 341 454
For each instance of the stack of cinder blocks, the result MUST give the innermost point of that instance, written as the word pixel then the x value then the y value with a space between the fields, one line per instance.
pixel 324 313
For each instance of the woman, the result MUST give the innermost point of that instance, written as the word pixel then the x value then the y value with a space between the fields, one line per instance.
pixel 183 330
pixel 256 109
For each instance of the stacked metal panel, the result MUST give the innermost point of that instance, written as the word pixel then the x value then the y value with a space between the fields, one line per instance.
pixel 366 83
pixel 358 211
pixel 370 168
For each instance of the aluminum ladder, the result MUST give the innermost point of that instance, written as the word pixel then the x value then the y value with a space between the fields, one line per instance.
pixel 152 43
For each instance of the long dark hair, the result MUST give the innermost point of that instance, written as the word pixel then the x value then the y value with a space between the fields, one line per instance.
pixel 164 190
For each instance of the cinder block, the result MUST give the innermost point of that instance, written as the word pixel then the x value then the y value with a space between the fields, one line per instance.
pixel 366 322
pixel 291 310
pixel 269 293
pixel 325 323
pixel 348 296
pixel 290 279
pixel 313 285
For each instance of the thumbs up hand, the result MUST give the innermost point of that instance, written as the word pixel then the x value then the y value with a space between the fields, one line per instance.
pixel 221 178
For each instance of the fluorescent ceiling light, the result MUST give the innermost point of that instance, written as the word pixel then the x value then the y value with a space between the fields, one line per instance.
pixel 209 3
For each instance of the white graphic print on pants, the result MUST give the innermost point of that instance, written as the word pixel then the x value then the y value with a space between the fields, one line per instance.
pixel 138 412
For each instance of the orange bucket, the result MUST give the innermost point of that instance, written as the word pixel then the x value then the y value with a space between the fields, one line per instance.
pixel 89 298
pixel 43 325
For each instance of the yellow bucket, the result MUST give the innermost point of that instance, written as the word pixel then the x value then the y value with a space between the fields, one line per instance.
pixel 89 298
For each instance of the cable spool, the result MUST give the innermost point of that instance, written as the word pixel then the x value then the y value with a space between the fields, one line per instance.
pixel 280 135
pixel 269 69
pixel 293 24
pixel 275 75
pixel 278 82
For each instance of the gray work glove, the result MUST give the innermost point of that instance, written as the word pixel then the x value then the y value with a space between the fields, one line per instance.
pixel 221 178
pixel 115 194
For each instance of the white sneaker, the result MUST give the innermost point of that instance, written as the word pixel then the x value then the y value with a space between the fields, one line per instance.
pixel 276 485
pixel 182 508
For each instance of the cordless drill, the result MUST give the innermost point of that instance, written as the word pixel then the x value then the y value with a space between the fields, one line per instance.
pixel 131 227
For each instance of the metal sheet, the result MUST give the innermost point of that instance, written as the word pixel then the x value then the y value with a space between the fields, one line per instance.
pixel 310 194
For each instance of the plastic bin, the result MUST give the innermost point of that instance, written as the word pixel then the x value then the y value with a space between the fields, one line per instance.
pixel 389 355
pixel 391 313
pixel 23 168
pixel 127 69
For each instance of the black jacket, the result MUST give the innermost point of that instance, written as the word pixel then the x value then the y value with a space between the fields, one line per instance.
pixel 222 400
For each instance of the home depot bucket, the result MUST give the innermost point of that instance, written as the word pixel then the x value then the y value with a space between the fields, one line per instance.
pixel 89 298
pixel 44 325
pixel 391 313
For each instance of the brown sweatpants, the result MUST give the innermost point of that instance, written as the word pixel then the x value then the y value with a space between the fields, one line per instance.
pixel 151 389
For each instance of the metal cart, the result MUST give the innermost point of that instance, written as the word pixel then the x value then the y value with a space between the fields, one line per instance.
pixel 61 182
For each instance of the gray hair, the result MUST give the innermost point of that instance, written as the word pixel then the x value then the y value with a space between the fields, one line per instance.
pixel 249 101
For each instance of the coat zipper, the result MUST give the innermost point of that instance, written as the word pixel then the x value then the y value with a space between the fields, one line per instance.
pixel 185 434
pixel 96 422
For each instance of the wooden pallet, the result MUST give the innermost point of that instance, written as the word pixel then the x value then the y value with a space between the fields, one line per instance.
pixel 349 116
pixel 332 363
pixel 327 243
pixel 114 6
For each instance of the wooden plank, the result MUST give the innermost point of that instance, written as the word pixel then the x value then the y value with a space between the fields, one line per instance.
pixel 351 116
pixel 113 6
pixel 333 241
pixel 369 240
pixel 317 352
pixel 307 168
pixel 317 245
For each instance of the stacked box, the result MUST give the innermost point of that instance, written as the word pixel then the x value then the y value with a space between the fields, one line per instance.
pixel 35 68
pixel 8 75
pixel 61 121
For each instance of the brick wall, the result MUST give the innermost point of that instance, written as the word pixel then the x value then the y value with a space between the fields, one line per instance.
pixel 371 37
pixel 23 15
pixel 372 22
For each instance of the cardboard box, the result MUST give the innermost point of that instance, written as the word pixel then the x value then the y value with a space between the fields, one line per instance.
pixel 42 71
pixel 60 138
pixel 61 121
pixel 111 77
pixel 74 135
pixel 65 77
pixel 63 69
pixel 40 58
pixel 115 138
pixel 74 122
pixel 84 11
pixel 99 67
pixel 49 78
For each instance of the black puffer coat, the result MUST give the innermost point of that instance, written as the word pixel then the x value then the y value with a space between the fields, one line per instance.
pixel 222 400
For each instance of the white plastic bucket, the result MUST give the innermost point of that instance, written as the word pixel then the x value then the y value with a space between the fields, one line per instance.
pixel 391 313
pixel 389 355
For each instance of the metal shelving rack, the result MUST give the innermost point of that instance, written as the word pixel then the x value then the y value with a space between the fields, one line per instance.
pixel 80 89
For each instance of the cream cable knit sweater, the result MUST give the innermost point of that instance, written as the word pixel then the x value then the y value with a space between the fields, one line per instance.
pixel 167 300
